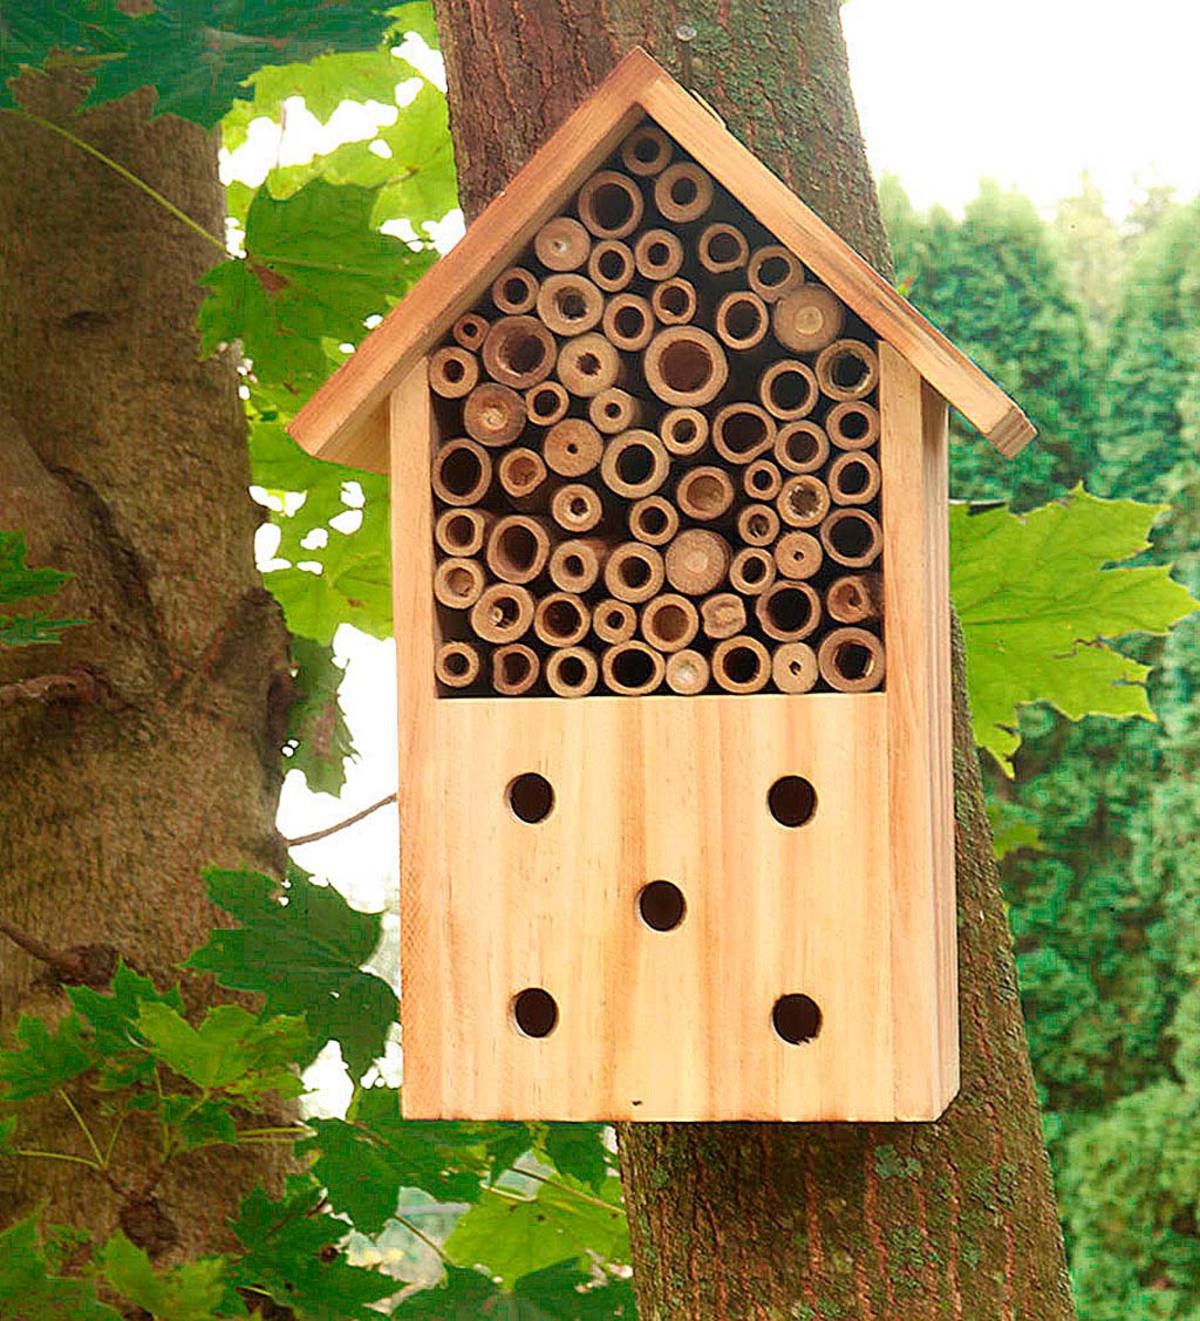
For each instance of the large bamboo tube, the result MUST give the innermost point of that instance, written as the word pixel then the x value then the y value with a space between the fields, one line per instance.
pixel 614 621
pixel 646 151
pixel 494 414
pixel 697 561
pixel 576 507
pixel 515 291
pixel 704 493
pixel 722 248
pixel 685 365
pixel 610 204
pixel 773 272
pixel 854 598
pixel 657 254
pixel 757 525
pixel 635 464
pixel 514 669
pixel 851 660
pixel 723 615
pixel 453 372
pixel 458 583
pixel 794 667
pixel 847 369
pixel 788 611
pixel 462 472
pixel 741 432
pixel 801 447
pixel 462 531
pixel 803 501
pixel 632 669
pixel 654 520
pixel 613 411
pixel 572 447
pixel 634 572
pixel 561 619
pixel 569 303
pixel 519 351
pixel 853 425
pixel 457 664
pixel 741 664
pixel 547 403
pixel 687 672
pixel 852 537
pixel 523 477
pixel 562 244
pixel 669 622
pixel 575 565
pixel 684 431
pixel 470 331
pixel 588 364
pixel 518 548
pixel 572 672
pixel 808 318
pixel 611 265
pixel 788 389
pixel 742 320
pixel 762 480
pixel 674 301
pixel 503 613
pixel 629 321
pixel 683 192
pixel 752 570
pixel 798 555
pixel 853 479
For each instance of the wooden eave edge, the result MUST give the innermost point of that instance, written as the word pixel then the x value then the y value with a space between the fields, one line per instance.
pixel 345 420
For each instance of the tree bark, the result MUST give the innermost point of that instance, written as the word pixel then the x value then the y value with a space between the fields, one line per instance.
pixel 817 1221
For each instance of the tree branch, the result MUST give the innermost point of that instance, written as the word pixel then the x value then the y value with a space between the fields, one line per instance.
pixel 341 825
pixel 81 965
pixel 78 686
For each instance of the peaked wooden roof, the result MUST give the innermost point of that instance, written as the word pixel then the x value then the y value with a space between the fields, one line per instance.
pixel 346 419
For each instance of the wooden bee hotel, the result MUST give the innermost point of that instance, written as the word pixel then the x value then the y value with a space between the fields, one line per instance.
pixel 668 479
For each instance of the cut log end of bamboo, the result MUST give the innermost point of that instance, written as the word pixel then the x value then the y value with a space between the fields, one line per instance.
pixel 611 265
pixel 519 352
pixel 798 555
pixel 851 660
pixel 762 480
pixel 462 472
pixel 684 431
pixel 852 537
pixel 462 531
pixel 847 369
pixel 561 619
pixel 646 151
pixel 515 291
pixel 685 365
pixel 723 615
pixel 503 613
pixel 457 664
pixel 801 447
pixel 453 372
pixel 547 403
pixel 853 425
pixel 562 244
pixel 572 447
pixel 494 414
pixel 634 572
pixel 576 508
pixel 588 364
pixel 683 192
pixel 614 621
pixel 610 204
pixel 722 248
pixel 635 464
pixel 572 672
pixel 742 320
pixel 757 524
pixel 803 501
pixel 470 331
pixel 654 520
pixel 704 493
pixel 794 667
pixel 741 432
pixel 741 664
pixel 629 322
pixel 854 598
pixel 569 303
pixel 788 389
pixel 773 272
pixel 515 669
pixel 808 318
pixel 658 254
pixel 697 561
pixel 752 570
pixel 674 301
pixel 518 548
pixel 687 672
pixel 575 564
pixel 854 479
pixel 788 611
pixel 669 622
pixel 613 411
pixel 632 669
pixel 522 475
pixel 458 583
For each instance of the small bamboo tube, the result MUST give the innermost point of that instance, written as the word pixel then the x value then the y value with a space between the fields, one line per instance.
pixel 523 477
pixel 572 447
pixel 801 447
pixel 808 318
pixel 632 669
pixel 628 321
pixel 847 369
pixel 470 331
pixel 788 611
pixel 561 619
pixel 803 501
pixel 762 480
pixel 462 472
pixel 519 351
pixel 547 403
pixel 723 615
pixel 853 479
pixel 788 389
pixel 494 414
pixel 462 531
pixel 658 254
pixel 854 598
pixel 683 192
pixel 752 570
pixel 515 291
pixel 687 672
pixel 742 320
pixel 704 493
pixel 851 660
pixel 610 204
pixel 741 432
pixel 757 525
pixel 458 583
pixel 798 555
pixel 611 265
pixel 646 151
pixel 684 431
pixel 614 621
pixel 457 664
pixel 569 303
pixel 613 411
pixel 853 425
pixel 453 372
pixel 674 301
pixel 741 664
pixel 588 364
pixel 634 572
pixel 575 565
pixel 722 248
pixel 794 667
pixel 514 669
pixel 685 365
pixel 654 520
pixel 852 537
pixel 697 561
pixel 503 613
pixel 562 244
pixel 773 272
pixel 669 622
pixel 576 508
pixel 518 548
pixel 572 672
pixel 635 464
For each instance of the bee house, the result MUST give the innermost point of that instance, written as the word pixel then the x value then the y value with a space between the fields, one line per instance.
pixel 669 499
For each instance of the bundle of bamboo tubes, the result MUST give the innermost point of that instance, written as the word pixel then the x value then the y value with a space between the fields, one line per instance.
pixel 658 464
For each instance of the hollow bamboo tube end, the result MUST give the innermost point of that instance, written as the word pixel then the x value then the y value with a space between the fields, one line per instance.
pixel 503 613
pixel 522 475
pixel 788 611
pixel 742 320
pixel 614 410
pixel 723 615
pixel 519 352
pixel 794 667
pixel 684 431
pixel 851 660
pixel 514 669
pixel 669 622
pixel 685 365
pixel 741 664
pixel 614 621
pixel 646 151
pixel 808 318
pixel 453 372
pixel 572 447
pixel 803 501
pixel 757 524
pixel 576 507
pixel 575 564
pixel 611 265
pixel 852 537
pixel 634 464
pixel 462 472
pixel 562 244
pixel 654 520
pixel 569 303
pixel 741 432
pixel 854 598
pixel 494 414
pixel 561 619
pixel 515 291
pixel 546 403
pixel 634 572
pixel 632 669
pixel 462 531
pixel 704 493
pixel 470 331
pixel 788 389
pixel 854 479
pixel 853 424
pixel 798 555
pixel 629 322
pixel 457 664
pixel 610 204
pixel 801 447
pixel 683 192
pixel 847 369
pixel 458 583
pixel 572 672
pixel 658 254
pixel 773 272
pixel 697 561
pixel 687 672
pixel 762 480
pixel 752 570
pixel 674 301
pixel 722 248
pixel 588 364
pixel 518 548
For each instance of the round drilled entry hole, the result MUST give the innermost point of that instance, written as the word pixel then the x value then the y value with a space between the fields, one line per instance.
pixel 792 800
pixel 531 797
pixel 796 1019
pixel 535 1012
pixel 661 905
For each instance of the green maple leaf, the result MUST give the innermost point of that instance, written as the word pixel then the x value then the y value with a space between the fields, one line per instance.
pixel 579 1151
pixel 193 1291
pixel 565 1293
pixel 46 1060
pixel 29 1289
pixel 318 737
pixel 19 582
pixel 111 1019
pixel 31 31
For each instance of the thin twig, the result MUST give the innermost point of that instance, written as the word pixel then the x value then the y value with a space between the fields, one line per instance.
pixel 341 825
pixel 35 948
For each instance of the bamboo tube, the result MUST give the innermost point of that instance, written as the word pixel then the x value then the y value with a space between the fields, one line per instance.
pixel 853 425
pixel 610 204
pixel 470 331
pixel 611 265
pixel 561 619
pixel 847 369
pixel 614 621
pixel 757 525
pixel 575 564
pixel 515 291
pixel 658 254
pixel 588 364
pixel 547 403
pixel 457 664
pixel 852 537
pixel 576 507
pixel 808 318
pixel 674 301
pixel 514 669
pixel 801 447
pixel 632 669
pixel 453 372
pixel 773 272
pixel 687 672
pixel 741 664
pixel 458 583
pixel 494 414
pixel 613 411
pixel 562 244
pixel 851 660
pixel 704 493
pixel 669 622
pixel 788 389
pixel 646 151
pixel 518 548
pixel 854 598
pixel 752 570
pixel 503 613
pixel 572 447
pixel 723 615
pixel 462 472
pixel 794 667
pixel 653 520
pixel 685 365
pixel 762 480
pixel 741 432
pixel 519 351
pixel 629 321
pixel 569 303
pixel 683 192
pixel 803 501
pixel 572 672
pixel 523 477
pixel 722 248
pixel 634 464
pixel 634 572
pixel 742 320
pixel 697 561
pixel 684 431
pixel 853 479
pixel 788 611
pixel 798 555
pixel 462 531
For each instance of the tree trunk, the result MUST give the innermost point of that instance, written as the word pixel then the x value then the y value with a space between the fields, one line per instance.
pixel 816 1221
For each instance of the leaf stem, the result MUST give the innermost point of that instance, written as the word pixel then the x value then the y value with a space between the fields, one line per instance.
pixel 423 1236
pixel 87 1132
pixel 57 1155
pixel 564 1187
pixel 341 825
